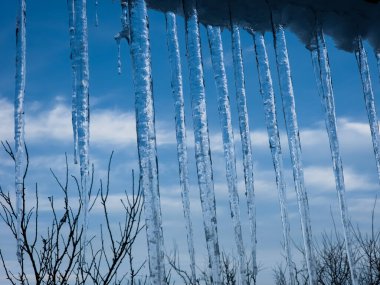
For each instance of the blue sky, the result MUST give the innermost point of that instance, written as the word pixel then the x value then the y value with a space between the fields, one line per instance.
pixel 49 135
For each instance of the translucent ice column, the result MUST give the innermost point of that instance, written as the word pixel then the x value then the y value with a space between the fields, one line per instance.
pixel 324 82
pixel 125 32
pixel 245 138
pixel 71 12
pixel 377 54
pixel 216 48
pixel 146 138
pixel 83 109
pixel 201 137
pixel 19 118
pixel 177 90
pixel 267 93
pixel 369 98
pixel 288 104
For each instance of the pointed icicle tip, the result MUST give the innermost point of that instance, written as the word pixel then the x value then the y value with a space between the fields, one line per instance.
pixel 96 13
pixel 117 39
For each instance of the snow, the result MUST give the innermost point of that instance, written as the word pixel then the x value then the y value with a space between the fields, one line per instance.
pixel 344 20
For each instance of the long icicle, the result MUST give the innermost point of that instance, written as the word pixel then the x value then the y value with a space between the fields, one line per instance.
pixel 71 11
pixel 288 104
pixel 83 110
pixel 177 90
pixel 118 55
pixel 202 140
pixel 369 98
pixel 245 139
pixel 216 48
pixel 19 119
pixel 146 138
pixel 322 72
pixel 267 93
pixel 96 13
pixel 377 54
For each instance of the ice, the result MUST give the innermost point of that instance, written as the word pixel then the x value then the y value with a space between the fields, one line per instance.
pixel 96 13
pixel 82 94
pixel 146 138
pixel 361 57
pixel 125 32
pixel 323 77
pixel 342 19
pixel 216 48
pixel 267 93
pixel 118 55
pixel 177 90
pixel 125 22
pixel 201 137
pixel 245 138
pixel 377 54
pixel 71 12
pixel 288 104
pixel 19 118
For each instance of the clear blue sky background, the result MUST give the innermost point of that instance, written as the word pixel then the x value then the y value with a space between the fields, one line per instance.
pixel 49 135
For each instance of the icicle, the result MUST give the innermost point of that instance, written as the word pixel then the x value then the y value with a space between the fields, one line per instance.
pixel 323 77
pixel 201 136
pixel 288 103
pixel 125 23
pixel 71 12
pixel 82 93
pixel 118 55
pixel 96 13
pixel 19 119
pixel 146 138
pixel 377 54
pixel 245 138
pixel 216 48
pixel 177 90
pixel 125 32
pixel 361 57
pixel 267 93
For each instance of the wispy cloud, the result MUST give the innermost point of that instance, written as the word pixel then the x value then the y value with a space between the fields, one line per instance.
pixel 322 179
pixel 107 128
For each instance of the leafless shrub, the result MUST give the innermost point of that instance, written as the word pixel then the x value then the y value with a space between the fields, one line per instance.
pixel 331 259
pixel 120 242
pixel 369 252
pixel 54 254
pixel 229 270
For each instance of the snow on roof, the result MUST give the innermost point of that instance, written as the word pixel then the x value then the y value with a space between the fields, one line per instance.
pixel 344 20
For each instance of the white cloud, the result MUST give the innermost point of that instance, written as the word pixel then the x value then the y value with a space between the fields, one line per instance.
pixel 117 128
pixel 107 128
pixel 112 128
pixel 51 124
pixel 351 135
pixel 363 207
pixel 6 119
